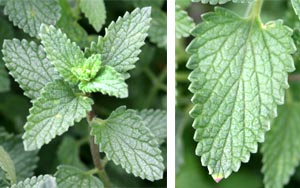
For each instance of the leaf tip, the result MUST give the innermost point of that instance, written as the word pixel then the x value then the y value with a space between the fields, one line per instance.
pixel 217 177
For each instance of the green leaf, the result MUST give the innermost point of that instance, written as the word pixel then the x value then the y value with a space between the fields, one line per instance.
pixel 121 44
pixel 45 181
pixel 28 64
pixel 108 81
pixel 58 108
pixel 214 2
pixel 239 77
pixel 95 11
pixel 3 2
pixel 156 121
pixel 30 14
pixel 67 147
pixel 296 6
pixel 62 53
pixel 71 177
pixel 158 29
pixel 281 150
pixel 4 80
pixel 7 165
pixel 127 141
pixel 24 162
pixel 184 23
pixel 88 69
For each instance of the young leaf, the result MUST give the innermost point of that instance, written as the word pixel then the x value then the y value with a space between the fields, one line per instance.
pixel 69 145
pixel 281 150
pixel 120 46
pixel 61 51
pixel 30 14
pixel 156 121
pixel 239 76
pixel 158 29
pixel 71 177
pixel 7 165
pixel 4 80
pixel 58 108
pixel 25 162
pixel 184 23
pixel 28 64
pixel 214 2
pixel 95 11
pixel 108 81
pixel 127 141
pixel 296 6
pixel 45 181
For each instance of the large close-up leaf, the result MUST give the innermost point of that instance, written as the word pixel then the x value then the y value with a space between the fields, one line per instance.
pixel 239 77
pixel 58 108
pixel 125 140
pixel 30 14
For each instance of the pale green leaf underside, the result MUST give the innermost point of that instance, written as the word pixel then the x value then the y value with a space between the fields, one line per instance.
pixel 239 76
pixel 7 165
pixel 95 11
pixel 4 80
pixel 214 2
pixel 107 81
pixel 30 14
pixel 45 181
pixel 156 121
pixel 296 6
pixel 184 23
pixel 28 64
pixel 24 161
pixel 58 108
pixel 158 29
pixel 61 52
pixel 281 150
pixel 127 141
pixel 120 46
pixel 71 177
pixel 69 145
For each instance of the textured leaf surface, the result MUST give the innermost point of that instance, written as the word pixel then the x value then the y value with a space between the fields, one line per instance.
pixel 28 64
pixel 30 14
pixel 121 44
pixel 67 147
pixel 158 29
pixel 61 51
pixel 58 108
pixel 24 161
pixel 127 141
pixel 45 181
pixel 7 165
pixel 214 2
pixel 281 150
pixel 184 23
pixel 108 81
pixel 239 76
pixel 95 11
pixel 296 6
pixel 71 177
pixel 156 121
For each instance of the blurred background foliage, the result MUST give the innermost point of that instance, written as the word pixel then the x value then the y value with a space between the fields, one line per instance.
pixel 189 171
pixel 147 87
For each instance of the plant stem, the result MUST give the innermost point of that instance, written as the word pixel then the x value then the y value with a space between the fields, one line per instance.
pixel 254 9
pixel 96 156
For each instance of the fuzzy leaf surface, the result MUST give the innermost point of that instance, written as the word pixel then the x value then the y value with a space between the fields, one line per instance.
pixel 281 150
pixel 127 141
pixel 120 46
pixel 30 14
pixel 58 108
pixel 296 6
pixel 61 52
pixel 184 23
pixel 156 121
pixel 95 11
pixel 239 77
pixel 158 29
pixel 214 2
pixel 71 177
pixel 45 181
pixel 7 165
pixel 27 63
pixel 108 81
